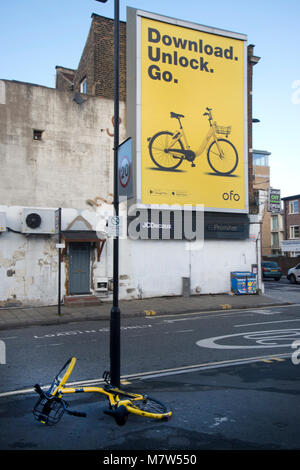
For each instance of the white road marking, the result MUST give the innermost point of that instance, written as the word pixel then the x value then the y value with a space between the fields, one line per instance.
pixel 266 322
pixel 183 331
pixel 8 337
pixel 155 374
pixel 261 339
pixel 266 312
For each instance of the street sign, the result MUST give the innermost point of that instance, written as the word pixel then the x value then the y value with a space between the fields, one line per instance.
pixel 125 169
pixel 60 245
pixel 274 200
pixel 114 226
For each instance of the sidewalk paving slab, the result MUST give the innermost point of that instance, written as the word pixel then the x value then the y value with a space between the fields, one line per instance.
pixel 19 317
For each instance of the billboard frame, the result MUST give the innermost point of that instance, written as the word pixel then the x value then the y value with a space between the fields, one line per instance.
pixel 133 107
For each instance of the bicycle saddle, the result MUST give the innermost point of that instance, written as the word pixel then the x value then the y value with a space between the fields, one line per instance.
pixel 177 116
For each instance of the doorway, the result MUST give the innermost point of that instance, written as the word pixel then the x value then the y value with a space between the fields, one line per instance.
pixel 79 268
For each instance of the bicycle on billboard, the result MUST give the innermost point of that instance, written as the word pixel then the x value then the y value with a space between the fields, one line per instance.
pixel 169 149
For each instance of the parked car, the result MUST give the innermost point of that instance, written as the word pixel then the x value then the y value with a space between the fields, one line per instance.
pixel 271 270
pixel 293 274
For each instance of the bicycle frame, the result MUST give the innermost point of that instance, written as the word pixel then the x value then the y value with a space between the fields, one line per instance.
pixel 113 394
pixel 211 133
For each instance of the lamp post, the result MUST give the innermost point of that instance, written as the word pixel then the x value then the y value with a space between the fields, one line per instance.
pixel 115 311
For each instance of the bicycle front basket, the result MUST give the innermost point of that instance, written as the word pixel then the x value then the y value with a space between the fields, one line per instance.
pixel 223 130
pixel 48 411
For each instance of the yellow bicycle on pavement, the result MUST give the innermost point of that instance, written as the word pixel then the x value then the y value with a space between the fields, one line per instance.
pixel 51 405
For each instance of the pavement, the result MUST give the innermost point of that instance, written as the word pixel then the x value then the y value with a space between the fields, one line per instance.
pixel 48 315
pixel 251 406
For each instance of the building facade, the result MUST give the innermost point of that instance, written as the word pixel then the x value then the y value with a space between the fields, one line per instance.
pixel 291 210
pixel 261 182
pixel 277 233
pixel 56 151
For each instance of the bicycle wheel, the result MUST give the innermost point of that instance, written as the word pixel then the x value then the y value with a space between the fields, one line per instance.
pixel 224 162
pixel 62 376
pixel 160 149
pixel 149 408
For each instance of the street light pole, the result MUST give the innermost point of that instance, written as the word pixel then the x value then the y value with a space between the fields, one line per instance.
pixel 115 337
pixel 115 352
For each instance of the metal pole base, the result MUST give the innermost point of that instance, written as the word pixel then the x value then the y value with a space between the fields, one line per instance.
pixel 115 346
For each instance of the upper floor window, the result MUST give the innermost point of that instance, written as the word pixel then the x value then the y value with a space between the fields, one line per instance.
pixel 259 159
pixel 294 207
pixel 83 86
pixel 294 231
pixel 275 225
pixel 275 239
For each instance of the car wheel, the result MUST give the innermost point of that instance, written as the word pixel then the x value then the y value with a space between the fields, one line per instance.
pixel 293 279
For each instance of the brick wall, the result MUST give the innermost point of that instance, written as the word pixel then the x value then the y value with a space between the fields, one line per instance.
pixel 251 61
pixel 96 63
pixel 290 219
pixel 64 78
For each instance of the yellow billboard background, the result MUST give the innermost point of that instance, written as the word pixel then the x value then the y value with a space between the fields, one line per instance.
pixel 210 74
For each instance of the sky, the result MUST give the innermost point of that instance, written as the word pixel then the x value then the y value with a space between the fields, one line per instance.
pixel 36 36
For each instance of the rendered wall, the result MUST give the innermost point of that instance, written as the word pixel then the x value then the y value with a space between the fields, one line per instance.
pixel 74 160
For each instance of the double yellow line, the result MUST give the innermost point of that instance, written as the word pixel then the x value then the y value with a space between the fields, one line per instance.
pixel 272 359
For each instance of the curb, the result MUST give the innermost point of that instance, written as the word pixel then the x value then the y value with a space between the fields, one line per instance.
pixel 73 318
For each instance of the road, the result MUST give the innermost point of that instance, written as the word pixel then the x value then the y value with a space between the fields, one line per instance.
pixel 148 344
pixel 231 364
pixel 283 290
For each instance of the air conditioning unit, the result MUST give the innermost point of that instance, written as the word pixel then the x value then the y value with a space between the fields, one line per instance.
pixel 38 221
pixel 2 222
pixel 101 285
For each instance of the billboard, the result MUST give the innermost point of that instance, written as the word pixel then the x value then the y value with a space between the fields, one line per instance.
pixel 187 112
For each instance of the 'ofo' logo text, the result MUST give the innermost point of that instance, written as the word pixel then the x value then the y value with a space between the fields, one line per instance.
pixel 231 196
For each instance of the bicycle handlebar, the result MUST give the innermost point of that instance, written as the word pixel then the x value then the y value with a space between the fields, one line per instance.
pixel 76 413
pixel 38 389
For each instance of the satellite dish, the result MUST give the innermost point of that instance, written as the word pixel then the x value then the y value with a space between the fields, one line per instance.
pixel 78 98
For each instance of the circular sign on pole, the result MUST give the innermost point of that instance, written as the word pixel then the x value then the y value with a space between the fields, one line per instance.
pixel 124 172
pixel 125 184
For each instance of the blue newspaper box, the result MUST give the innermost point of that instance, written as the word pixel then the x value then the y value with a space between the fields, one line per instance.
pixel 243 282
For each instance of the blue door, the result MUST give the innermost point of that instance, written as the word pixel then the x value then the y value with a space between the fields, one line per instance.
pixel 79 268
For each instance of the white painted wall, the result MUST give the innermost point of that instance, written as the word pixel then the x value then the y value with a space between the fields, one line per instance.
pixel 156 268
pixel 148 268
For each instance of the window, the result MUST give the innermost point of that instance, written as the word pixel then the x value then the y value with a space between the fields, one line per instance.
pixel 275 222
pixel 275 239
pixel 83 86
pixel 294 207
pixel 260 159
pixel 294 231
pixel 37 134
